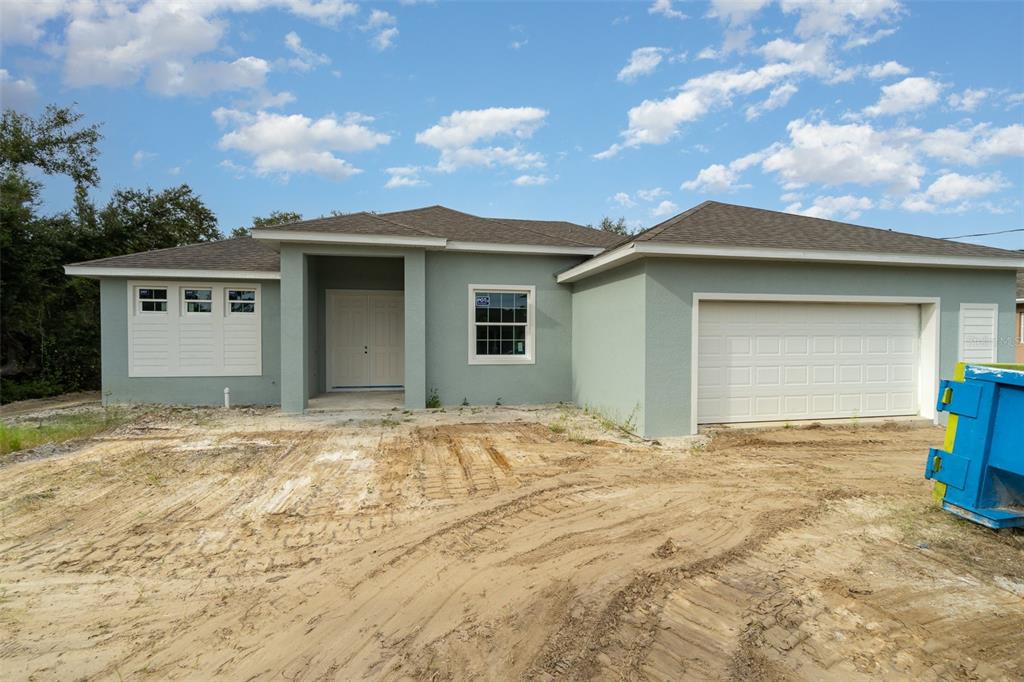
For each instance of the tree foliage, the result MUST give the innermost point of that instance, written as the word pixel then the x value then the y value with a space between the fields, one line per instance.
pixel 275 218
pixel 614 226
pixel 49 336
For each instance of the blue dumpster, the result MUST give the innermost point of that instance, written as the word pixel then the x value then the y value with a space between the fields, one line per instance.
pixel 979 473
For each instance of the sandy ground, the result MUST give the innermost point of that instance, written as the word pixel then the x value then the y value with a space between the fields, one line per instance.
pixel 485 544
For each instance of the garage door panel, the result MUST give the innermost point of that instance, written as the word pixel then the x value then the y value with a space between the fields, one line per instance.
pixel 773 361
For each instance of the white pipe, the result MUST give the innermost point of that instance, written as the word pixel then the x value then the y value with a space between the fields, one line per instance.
pixel 227 397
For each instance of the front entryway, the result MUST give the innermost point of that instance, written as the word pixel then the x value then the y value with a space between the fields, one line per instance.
pixel 365 339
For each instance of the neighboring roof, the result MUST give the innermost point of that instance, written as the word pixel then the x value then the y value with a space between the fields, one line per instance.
pixel 241 254
pixel 444 223
pixel 716 224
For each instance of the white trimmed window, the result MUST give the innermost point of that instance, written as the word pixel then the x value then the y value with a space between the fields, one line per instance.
pixel 241 301
pixel 198 301
pixel 151 300
pixel 501 324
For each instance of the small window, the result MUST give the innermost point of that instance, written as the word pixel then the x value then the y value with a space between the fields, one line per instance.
pixel 152 300
pixel 501 325
pixel 198 300
pixel 242 300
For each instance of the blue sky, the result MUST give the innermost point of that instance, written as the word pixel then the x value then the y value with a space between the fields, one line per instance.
pixel 906 116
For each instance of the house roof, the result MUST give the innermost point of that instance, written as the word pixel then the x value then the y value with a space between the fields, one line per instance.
pixel 446 223
pixel 716 224
pixel 242 254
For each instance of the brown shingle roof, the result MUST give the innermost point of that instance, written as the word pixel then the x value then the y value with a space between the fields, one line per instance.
pixel 239 253
pixel 443 222
pixel 716 224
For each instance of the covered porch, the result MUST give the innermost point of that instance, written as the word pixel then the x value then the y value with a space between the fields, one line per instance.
pixel 352 328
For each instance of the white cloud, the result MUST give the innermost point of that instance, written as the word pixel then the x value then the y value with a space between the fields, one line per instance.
pixel 265 99
pixel 887 70
pixel 708 53
pixel 531 180
pixel 16 93
pixel 23 20
pixel 778 97
pixel 456 134
pixel 831 155
pixel 714 178
pixel 379 17
pixel 846 207
pixel 971 146
pixel 643 61
pixel 384 39
pixel 664 8
pixel 384 25
pixel 1014 100
pixel 174 170
pixel 140 157
pixel 519 44
pixel 658 121
pixel 403 176
pixel 736 11
pixel 868 38
pixel 284 144
pixel 304 59
pixel 838 17
pixel 202 78
pixel 624 200
pixel 665 208
pixel 651 194
pixel 969 99
pixel 952 187
pixel 910 94
pixel 119 44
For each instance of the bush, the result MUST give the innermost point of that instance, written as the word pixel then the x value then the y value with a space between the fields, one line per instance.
pixel 13 390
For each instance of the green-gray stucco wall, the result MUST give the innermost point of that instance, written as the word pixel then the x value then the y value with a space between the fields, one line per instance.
pixel 118 387
pixel 448 277
pixel 665 307
pixel 608 344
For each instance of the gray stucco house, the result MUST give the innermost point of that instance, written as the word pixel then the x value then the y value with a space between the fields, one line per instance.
pixel 720 314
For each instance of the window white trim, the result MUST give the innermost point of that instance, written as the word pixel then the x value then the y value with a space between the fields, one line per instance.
pixel 184 302
pixel 928 369
pixel 227 302
pixel 166 300
pixel 180 344
pixel 530 357
pixel 990 353
pixel 634 250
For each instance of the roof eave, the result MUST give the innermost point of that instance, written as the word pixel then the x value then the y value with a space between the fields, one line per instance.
pixel 633 250
pixel 309 237
pixel 99 271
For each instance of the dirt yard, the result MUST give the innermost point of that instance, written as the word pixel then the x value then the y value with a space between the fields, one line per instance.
pixel 495 544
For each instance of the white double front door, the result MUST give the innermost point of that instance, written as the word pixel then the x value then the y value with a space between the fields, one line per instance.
pixel 365 339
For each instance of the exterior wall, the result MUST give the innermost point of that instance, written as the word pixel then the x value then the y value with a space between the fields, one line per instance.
pixel 671 284
pixel 343 272
pixel 608 344
pixel 118 387
pixel 448 276
pixel 1019 332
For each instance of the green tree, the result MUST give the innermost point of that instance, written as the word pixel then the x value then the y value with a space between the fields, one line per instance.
pixel 275 218
pixel 49 332
pixel 614 226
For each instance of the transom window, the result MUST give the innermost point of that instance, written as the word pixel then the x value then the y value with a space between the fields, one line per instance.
pixel 198 300
pixel 152 300
pixel 501 325
pixel 241 300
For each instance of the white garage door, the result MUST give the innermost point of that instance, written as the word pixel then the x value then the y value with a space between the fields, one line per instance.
pixel 779 361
